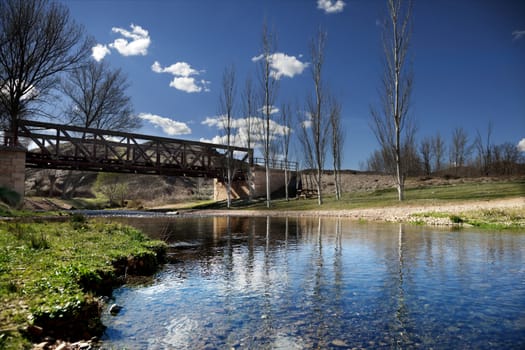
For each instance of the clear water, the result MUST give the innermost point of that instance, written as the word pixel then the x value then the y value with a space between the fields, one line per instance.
pixel 309 283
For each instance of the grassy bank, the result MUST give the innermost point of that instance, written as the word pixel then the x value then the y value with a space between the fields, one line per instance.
pixel 416 195
pixel 491 219
pixel 52 273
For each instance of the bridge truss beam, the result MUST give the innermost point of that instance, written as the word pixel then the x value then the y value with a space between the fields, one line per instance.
pixel 55 146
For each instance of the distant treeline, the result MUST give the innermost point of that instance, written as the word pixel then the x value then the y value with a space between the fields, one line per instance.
pixel 461 157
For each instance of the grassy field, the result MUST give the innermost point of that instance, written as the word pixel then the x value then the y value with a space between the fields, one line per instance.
pixel 470 191
pixel 54 271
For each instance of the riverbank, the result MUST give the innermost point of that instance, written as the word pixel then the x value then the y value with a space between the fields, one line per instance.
pixel 53 277
pixel 498 213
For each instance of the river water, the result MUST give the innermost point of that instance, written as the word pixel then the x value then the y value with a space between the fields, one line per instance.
pixel 311 283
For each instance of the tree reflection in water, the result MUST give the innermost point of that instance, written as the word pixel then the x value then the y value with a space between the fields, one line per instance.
pixel 299 282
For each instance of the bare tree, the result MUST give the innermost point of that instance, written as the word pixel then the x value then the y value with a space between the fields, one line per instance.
pixel 506 158
pixel 389 123
pixel 286 122
pixel 98 98
pixel 511 158
pixel 459 149
pixel 411 162
pixel 226 106
pixel 376 162
pixel 438 148
pixel 39 40
pixel 484 150
pixel 315 129
pixel 269 85
pixel 425 149
pixel 249 111
pixel 338 139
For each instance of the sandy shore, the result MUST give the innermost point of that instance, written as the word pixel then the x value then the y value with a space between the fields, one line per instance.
pixel 401 213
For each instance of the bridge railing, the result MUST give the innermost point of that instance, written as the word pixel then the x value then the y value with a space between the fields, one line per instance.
pixel 278 164
pixel 72 147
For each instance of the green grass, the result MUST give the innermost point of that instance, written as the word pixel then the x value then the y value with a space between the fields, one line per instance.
pixel 53 270
pixel 492 219
pixel 388 197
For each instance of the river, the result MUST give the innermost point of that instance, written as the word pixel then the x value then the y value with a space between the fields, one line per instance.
pixel 323 283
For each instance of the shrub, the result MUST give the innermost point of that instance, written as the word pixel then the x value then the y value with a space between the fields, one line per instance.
pixel 9 197
pixel 456 219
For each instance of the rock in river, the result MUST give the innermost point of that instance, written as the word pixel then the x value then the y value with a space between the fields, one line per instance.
pixel 115 309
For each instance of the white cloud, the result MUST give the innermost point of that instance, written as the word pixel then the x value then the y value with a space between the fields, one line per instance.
pixel 283 65
pixel 288 66
pixel 273 110
pixel 307 121
pixel 257 58
pixel 183 79
pixel 240 129
pixel 30 91
pixel 218 140
pixel 133 43
pixel 186 84
pixel 213 121
pixel 331 6
pixel 518 34
pixel 521 145
pixel 169 126
pixel 182 69
pixel 99 51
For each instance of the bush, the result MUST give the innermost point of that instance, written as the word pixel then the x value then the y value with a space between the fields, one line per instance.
pixel 456 219
pixel 113 187
pixel 9 197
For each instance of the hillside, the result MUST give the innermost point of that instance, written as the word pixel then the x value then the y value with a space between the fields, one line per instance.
pixel 140 190
pixel 154 191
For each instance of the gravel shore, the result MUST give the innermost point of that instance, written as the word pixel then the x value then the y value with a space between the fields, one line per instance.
pixel 401 213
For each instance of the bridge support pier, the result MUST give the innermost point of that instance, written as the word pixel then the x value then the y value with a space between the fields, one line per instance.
pixel 240 190
pixel 255 186
pixel 13 169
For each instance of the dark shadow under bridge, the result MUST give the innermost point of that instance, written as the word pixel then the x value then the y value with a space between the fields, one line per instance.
pixel 56 146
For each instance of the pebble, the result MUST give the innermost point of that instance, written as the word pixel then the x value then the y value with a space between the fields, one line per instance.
pixel 62 346
pixel 339 343
pixel 42 345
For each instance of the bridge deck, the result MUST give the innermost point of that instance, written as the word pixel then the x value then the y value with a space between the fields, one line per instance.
pixel 76 148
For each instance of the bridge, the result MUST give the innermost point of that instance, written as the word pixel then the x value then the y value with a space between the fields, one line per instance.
pixel 55 146
pixel 76 148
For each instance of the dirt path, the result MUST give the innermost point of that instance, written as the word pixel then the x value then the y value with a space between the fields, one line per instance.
pixel 402 213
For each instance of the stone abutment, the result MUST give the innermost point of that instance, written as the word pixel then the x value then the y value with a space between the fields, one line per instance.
pixel 12 169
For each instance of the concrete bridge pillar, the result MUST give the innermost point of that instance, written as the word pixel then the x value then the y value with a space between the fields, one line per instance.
pixel 254 187
pixel 13 169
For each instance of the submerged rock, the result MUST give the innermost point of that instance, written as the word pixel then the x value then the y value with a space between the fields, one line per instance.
pixel 115 309
pixel 339 343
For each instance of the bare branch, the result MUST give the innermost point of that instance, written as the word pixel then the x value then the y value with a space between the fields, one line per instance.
pixel 39 41
pixel 98 98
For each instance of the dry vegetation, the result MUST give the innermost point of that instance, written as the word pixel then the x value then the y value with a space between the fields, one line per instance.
pixel 147 191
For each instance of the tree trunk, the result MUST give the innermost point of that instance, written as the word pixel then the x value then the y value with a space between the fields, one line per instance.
pixel 268 195
pixel 319 193
pixel 286 182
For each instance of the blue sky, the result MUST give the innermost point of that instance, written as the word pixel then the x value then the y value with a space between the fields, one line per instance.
pixel 468 58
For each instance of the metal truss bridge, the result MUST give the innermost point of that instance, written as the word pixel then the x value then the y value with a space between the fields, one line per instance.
pixel 55 146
